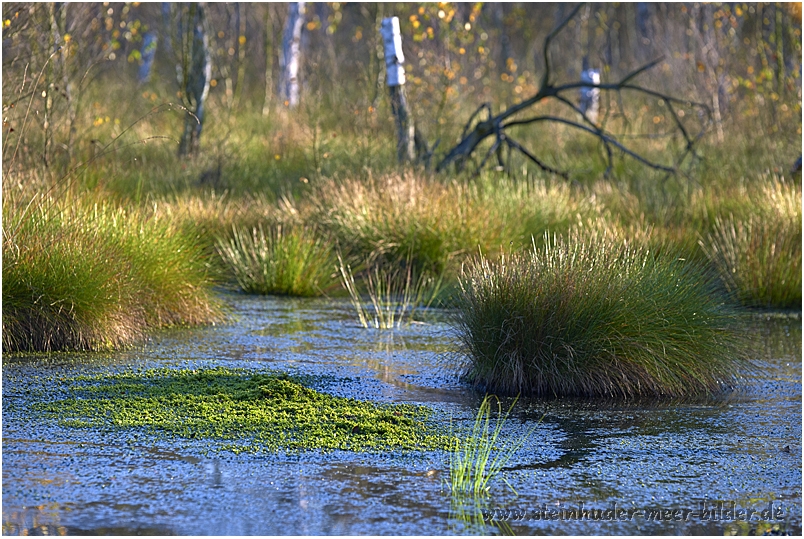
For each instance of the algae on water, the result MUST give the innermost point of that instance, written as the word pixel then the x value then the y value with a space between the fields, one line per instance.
pixel 245 410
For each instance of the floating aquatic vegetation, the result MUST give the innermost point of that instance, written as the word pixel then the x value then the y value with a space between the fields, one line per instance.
pixel 240 410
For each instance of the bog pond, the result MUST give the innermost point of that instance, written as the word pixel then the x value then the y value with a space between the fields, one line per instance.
pixel 727 465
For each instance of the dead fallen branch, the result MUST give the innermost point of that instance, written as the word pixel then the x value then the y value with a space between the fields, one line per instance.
pixel 478 130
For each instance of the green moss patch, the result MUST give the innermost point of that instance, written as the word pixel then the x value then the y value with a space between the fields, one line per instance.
pixel 245 410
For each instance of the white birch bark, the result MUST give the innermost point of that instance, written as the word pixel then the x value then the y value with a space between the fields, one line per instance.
pixel 290 60
pixel 395 79
pixel 590 96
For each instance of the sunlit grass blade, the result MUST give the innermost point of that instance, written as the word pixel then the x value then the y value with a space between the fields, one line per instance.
pixel 394 295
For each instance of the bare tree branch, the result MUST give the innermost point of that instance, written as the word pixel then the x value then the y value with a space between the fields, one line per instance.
pixel 493 148
pixel 515 145
pixel 474 134
pixel 641 70
pixel 548 39
pixel 484 106
pixel 603 136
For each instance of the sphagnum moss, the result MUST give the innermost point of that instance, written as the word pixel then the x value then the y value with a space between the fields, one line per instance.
pixel 241 410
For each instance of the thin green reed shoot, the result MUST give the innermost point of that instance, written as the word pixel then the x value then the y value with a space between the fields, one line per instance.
pixel 476 459
pixel 394 295
pixel 348 282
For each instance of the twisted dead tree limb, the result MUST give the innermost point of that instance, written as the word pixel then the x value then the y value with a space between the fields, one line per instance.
pixel 477 130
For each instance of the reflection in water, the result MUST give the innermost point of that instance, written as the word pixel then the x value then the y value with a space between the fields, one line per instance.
pixel 37 520
pixel 743 447
pixel 777 337
pixel 472 515
pixel 213 471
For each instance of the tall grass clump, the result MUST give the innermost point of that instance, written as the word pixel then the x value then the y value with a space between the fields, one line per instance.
pixel 526 207
pixel 59 291
pixel 757 248
pixel 398 218
pixel 596 317
pixel 290 261
pixel 169 268
pixel 78 276
pixel 212 216
pixel 758 259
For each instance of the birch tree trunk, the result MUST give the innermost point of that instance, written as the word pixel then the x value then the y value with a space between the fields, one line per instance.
pixel 645 29
pixel 147 55
pixel 375 74
pixel 710 60
pixel 590 95
pixel 67 84
pixel 290 60
pixel 47 123
pixel 498 11
pixel 241 17
pixel 322 11
pixel 395 78
pixel 57 84
pixel 195 71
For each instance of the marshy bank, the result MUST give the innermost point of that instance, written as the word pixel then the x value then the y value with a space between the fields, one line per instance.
pixel 607 306
pixel 89 271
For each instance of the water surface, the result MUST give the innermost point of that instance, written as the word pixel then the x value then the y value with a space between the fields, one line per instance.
pixel 589 467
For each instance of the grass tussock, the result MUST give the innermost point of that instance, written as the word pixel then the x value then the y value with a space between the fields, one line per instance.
pixel 395 219
pixel 759 260
pixel 595 317
pixel 212 215
pixel 88 277
pixel 527 207
pixel 285 261
pixel 434 224
pixel 755 245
